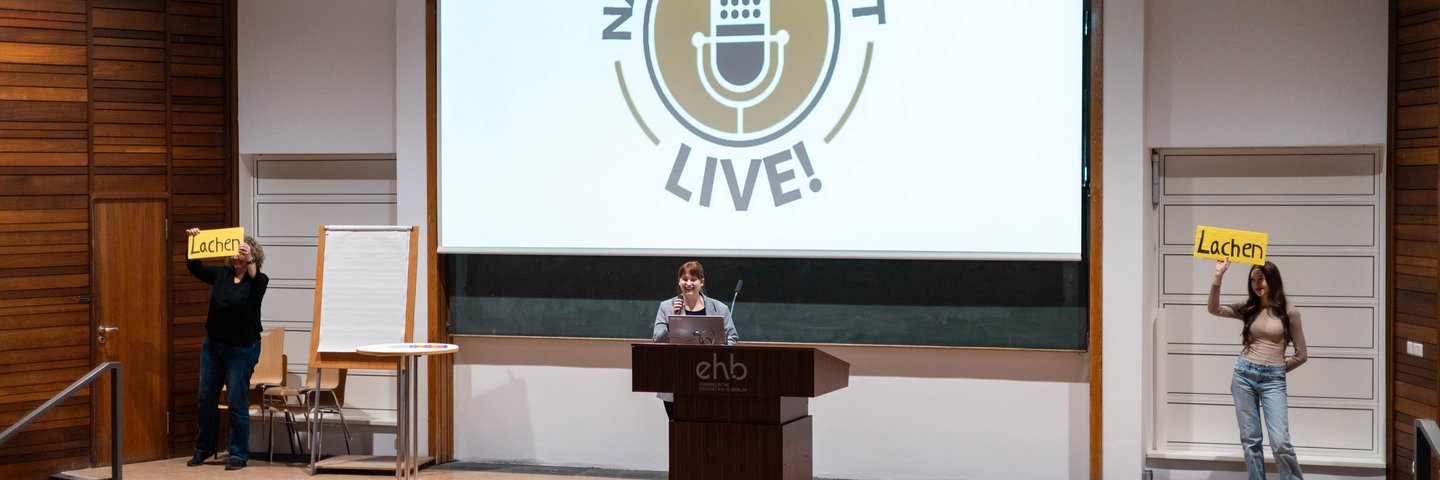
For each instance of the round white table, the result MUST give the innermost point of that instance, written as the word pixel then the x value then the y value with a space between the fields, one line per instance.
pixel 407 434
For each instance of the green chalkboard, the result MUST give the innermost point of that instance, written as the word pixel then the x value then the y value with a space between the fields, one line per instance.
pixel 1002 304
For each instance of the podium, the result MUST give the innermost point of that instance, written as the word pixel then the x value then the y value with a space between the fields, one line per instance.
pixel 741 412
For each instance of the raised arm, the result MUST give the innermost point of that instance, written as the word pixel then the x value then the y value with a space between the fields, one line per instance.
pixel 1213 303
pixel 250 268
pixel 1297 333
pixel 196 268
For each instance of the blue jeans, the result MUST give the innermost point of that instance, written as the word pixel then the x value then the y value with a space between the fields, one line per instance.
pixel 231 366
pixel 1257 388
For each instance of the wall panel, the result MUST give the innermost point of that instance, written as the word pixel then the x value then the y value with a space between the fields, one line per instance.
pixel 284 204
pixel 198 51
pixel 44 237
pixel 1411 225
pixel 1321 208
pixel 100 98
pixel 1346 327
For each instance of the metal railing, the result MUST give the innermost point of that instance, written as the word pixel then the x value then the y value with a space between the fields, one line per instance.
pixel 1425 435
pixel 115 458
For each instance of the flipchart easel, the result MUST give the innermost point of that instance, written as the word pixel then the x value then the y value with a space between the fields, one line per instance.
pixel 364 287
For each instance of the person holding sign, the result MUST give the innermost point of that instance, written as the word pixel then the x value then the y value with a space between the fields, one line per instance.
pixel 231 348
pixel 1258 384
pixel 690 301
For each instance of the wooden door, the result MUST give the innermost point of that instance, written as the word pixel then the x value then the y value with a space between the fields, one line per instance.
pixel 130 290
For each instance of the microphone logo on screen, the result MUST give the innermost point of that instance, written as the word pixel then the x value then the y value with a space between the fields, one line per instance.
pixel 741 87
pixel 741 73
pixel 738 49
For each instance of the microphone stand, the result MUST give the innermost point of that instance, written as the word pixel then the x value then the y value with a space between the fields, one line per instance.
pixel 738 283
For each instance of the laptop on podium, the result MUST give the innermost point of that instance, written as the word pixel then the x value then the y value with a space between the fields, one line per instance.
pixel 697 329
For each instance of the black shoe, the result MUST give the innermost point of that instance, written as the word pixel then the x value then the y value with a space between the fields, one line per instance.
pixel 197 460
pixel 234 464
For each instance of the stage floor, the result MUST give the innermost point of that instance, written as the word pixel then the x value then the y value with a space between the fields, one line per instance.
pixel 291 468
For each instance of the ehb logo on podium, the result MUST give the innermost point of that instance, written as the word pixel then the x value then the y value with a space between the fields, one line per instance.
pixel 716 369
pixel 729 91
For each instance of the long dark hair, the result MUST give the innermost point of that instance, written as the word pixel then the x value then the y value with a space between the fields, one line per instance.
pixel 1280 307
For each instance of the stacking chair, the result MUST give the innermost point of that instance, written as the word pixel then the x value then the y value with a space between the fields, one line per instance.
pixel 329 398
pixel 270 370
pixel 270 406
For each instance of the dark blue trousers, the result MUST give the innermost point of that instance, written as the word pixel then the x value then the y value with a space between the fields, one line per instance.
pixel 230 366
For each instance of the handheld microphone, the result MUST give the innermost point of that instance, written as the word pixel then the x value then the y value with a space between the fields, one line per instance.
pixel 739 51
pixel 733 299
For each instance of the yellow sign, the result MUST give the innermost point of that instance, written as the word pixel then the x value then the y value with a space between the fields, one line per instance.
pixel 222 242
pixel 1241 246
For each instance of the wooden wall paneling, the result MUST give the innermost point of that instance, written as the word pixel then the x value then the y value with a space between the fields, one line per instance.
pixel 101 98
pixel 200 135
pixel 44 231
pixel 441 385
pixel 128 78
pixel 1413 235
pixel 127 105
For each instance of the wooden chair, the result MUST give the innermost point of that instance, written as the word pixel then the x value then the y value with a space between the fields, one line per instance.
pixel 270 407
pixel 289 401
pixel 270 370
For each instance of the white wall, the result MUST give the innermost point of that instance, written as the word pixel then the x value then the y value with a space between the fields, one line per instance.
pixel 1267 73
pixel 1247 73
pixel 1176 74
pixel 908 413
pixel 1125 277
pixel 318 83
pixel 410 157
pixel 316 76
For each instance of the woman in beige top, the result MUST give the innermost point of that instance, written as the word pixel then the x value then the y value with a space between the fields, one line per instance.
pixel 1271 324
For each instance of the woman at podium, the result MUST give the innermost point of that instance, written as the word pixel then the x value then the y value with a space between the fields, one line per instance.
pixel 690 300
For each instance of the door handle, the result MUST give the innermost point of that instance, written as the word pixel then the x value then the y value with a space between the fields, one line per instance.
pixel 103 330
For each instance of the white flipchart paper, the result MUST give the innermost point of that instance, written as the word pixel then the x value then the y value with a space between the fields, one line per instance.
pixel 363 296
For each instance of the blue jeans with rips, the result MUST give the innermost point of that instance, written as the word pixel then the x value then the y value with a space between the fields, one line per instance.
pixel 1258 388
pixel 231 366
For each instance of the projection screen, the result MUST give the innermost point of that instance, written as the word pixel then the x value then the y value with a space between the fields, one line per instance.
pixel 931 129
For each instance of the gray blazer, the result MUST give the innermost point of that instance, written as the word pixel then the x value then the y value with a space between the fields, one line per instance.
pixel 662 326
pixel 712 307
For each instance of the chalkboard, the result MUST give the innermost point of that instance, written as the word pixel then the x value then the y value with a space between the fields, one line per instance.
pixel 1001 304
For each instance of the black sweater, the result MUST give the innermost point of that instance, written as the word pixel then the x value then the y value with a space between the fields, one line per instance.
pixel 234 317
